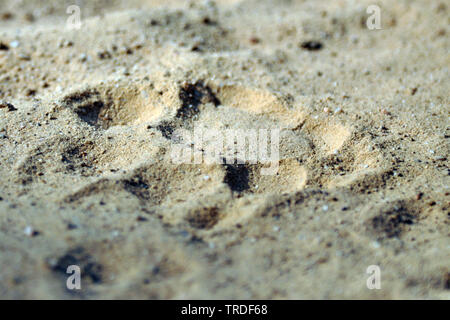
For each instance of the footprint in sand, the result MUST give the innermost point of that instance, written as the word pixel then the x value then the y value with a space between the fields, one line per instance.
pixel 306 146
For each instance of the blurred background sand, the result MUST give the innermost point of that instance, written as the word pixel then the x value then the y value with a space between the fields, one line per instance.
pixel 86 120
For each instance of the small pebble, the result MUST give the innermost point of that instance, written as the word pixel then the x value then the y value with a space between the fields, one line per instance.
pixel 375 244
pixel 24 57
pixel 14 44
pixel 8 105
pixel 30 232
pixel 115 233
pixel 71 226
pixel 255 40
pixel 311 45
pixel 83 57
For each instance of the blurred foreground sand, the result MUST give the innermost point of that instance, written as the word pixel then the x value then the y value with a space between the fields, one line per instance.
pixel 85 137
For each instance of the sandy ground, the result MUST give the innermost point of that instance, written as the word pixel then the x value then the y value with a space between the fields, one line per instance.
pixel 86 124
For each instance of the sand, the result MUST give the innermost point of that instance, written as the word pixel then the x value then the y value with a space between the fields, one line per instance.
pixel 87 120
